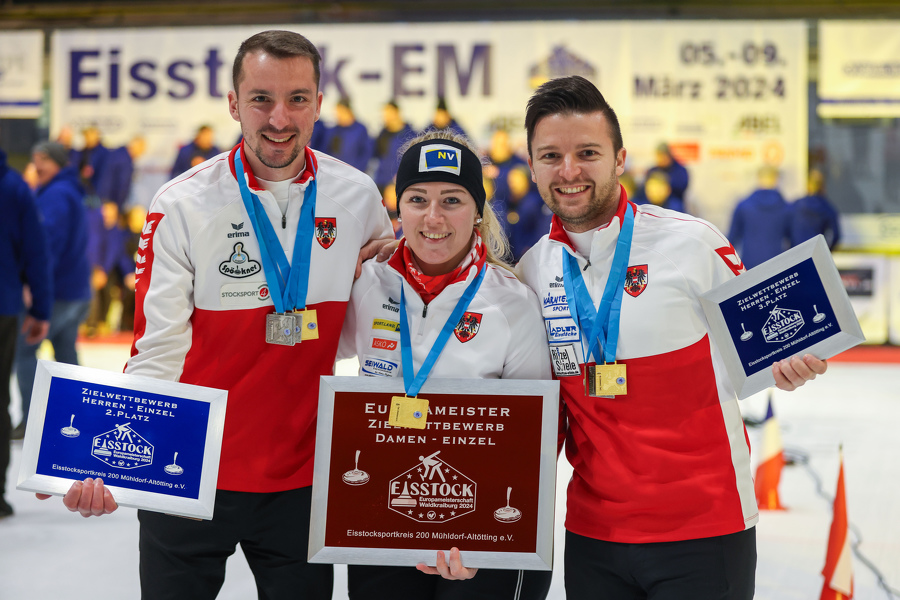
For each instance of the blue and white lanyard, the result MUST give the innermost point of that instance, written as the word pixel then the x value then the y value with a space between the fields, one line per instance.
pixel 413 383
pixel 287 285
pixel 605 320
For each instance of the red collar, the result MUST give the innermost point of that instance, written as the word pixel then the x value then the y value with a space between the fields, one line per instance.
pixel 428 287
pixel 309 172
pixel 558 232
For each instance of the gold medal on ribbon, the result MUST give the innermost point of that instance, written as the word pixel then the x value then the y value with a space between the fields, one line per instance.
pixel 408 412
pixel 308 325
pixel 606 380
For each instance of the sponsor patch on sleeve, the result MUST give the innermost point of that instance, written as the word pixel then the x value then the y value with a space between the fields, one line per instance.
pixel 564 360
pixel 561 329
pixel 375 366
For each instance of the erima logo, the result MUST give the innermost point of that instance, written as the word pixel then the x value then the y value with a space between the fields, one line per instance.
pixel 237 233
pixel 558 283
pixel 439 157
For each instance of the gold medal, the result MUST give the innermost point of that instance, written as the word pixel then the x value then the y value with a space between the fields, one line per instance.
pixel 308 325
pixel 408 412
pixel 606 380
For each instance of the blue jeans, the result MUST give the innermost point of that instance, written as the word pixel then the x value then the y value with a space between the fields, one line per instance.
pixel 64 322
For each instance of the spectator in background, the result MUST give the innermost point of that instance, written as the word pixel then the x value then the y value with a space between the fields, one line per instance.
pixel 503 160
pixel 760 226
pixel 60 201
pixel 675 172
pixel 114 184
pixel 319 136
pixel 813 214
pixel 201 148
pixel 23 252
pixel 657 191
pixel 112 267
pixel 349 139
pixel 395 132
pixel 89 161
pixel 108 234
pixel 527 217
pixel 444 121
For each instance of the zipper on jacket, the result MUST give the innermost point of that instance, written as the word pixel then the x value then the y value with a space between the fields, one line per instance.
pixel 422 323
pixel 584 270
pixel 284 221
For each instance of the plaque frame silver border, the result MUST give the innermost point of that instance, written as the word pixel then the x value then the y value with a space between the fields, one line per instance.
pixel 850 333
pixel 200 508
pixel 541 559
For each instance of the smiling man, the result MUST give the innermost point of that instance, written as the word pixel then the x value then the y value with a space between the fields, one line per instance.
pixel 206 302
pixel 661 503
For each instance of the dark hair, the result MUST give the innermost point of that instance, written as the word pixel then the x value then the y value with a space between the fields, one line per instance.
pixel 567 96
pixel 280 44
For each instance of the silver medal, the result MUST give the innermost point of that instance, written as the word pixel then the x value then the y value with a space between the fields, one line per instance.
pixel 280 329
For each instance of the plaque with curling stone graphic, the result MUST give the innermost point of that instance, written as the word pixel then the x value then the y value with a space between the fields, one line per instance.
pixel 397 478
pixel 154 443
pixel 792 304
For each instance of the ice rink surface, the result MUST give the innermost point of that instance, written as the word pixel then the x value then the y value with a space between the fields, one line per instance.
pixel 48 552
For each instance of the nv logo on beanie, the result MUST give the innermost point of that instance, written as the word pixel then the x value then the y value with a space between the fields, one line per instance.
pixel 439 157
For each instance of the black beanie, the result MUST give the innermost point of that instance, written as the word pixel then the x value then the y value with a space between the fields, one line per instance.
pixel 442 160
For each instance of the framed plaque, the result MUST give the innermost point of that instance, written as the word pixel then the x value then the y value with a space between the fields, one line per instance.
pixel 792 304
pixel 480 476
pixel 154 443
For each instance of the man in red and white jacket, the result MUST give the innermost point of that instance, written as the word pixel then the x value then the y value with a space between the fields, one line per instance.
pixel 202 305
pixel 661 501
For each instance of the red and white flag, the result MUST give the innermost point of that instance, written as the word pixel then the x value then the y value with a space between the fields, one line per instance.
pixel 838 570
pixel 768 473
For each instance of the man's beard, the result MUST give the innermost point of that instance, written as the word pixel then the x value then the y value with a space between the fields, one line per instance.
pixel 600 203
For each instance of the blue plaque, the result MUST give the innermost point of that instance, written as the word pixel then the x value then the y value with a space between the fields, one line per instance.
pixel 154 443
pixel 792 304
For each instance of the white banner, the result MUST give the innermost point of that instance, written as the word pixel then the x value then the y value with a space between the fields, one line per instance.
pixel 728 96
pixel 859 69
pixel 21 74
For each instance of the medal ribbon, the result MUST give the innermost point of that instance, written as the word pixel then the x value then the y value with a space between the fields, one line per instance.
pixel 288 285
pixel 605 320
pixel 413 383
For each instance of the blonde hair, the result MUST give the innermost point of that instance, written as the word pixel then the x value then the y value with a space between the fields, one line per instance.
pixel 496 245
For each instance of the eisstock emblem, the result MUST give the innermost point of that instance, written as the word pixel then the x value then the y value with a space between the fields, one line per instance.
pixel 432 491
pixel 240 264
pixel 326 231
pixel 123 448
pixel 782 325
pixel 468 326
pixel 636 278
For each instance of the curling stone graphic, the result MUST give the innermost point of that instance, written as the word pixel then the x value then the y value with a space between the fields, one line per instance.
pixel 819 316
pixel 173 469
pixel 356 477
pixel 746 335
pixel 508 514
pixel 70 431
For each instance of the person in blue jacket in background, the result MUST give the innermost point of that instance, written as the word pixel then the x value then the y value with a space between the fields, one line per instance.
pixel 60 201
pixel 813 214
pixel 23 252
pixel 760 225
pixel 349 139
pixel 201 148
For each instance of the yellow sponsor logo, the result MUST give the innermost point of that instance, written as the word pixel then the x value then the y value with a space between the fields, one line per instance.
pixel 386 325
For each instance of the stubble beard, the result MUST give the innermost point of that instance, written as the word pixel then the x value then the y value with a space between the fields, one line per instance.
pixel 599 210
pixel 274 162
